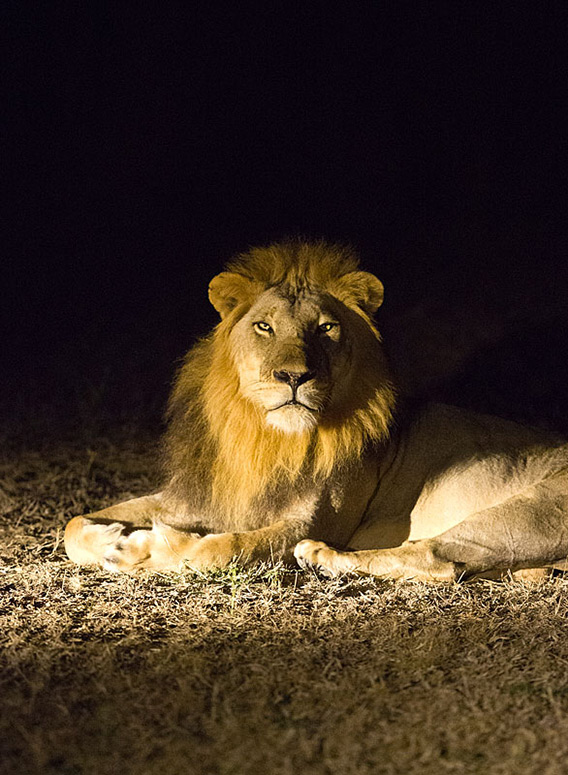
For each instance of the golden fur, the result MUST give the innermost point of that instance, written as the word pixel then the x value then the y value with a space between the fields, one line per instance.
pixel 280 428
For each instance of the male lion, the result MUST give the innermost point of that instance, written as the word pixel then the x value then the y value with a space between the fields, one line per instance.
pixel 282 427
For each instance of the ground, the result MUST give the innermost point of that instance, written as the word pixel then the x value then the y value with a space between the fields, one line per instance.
pixel 268 671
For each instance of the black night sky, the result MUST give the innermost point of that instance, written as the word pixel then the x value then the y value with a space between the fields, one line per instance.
pixel 147 143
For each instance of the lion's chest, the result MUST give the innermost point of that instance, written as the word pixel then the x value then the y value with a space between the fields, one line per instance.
pixel 343 502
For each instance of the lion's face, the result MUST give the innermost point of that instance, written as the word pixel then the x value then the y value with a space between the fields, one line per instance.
pixel 301 338
pixel 292 354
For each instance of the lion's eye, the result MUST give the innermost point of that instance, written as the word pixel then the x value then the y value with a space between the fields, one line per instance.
pixel 262 328
pixel 325 328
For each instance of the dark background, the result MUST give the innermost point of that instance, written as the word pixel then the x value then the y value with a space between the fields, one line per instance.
pixel 146 144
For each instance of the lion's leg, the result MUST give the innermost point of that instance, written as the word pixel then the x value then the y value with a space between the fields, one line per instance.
pixel 133 536
pixel 268 544
pixel 125 536
pixel 164 548
pixel 409 561
pixel 529 530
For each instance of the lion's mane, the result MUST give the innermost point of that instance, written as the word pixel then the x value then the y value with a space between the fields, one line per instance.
pixel 220 454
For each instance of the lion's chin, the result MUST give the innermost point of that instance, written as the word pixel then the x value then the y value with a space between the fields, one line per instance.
pixel 292 418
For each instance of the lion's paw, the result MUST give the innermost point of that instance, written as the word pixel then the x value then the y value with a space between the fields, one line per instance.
pixel 129 553
pixel 315 555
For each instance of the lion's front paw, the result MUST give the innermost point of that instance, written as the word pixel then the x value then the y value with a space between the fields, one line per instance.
pixel 129 553
pixel 87 541
pixel 315 555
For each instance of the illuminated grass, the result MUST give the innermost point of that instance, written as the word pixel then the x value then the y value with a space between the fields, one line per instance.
pixel 267 671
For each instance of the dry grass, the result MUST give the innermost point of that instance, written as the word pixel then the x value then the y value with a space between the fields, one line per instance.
pixel 263 672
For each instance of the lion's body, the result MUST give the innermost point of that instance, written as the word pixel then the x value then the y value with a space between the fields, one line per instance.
pixel 281 428
pixel 447 464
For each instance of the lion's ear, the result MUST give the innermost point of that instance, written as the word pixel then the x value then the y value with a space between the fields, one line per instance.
pixel 229 289
pixel 360 288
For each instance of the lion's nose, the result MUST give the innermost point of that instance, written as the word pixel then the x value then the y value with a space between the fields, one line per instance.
pixel 294 378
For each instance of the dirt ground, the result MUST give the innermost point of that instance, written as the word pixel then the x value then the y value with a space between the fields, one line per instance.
pixel 268 671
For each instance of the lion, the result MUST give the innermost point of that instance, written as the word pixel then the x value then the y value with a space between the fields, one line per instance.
pixel 286 439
